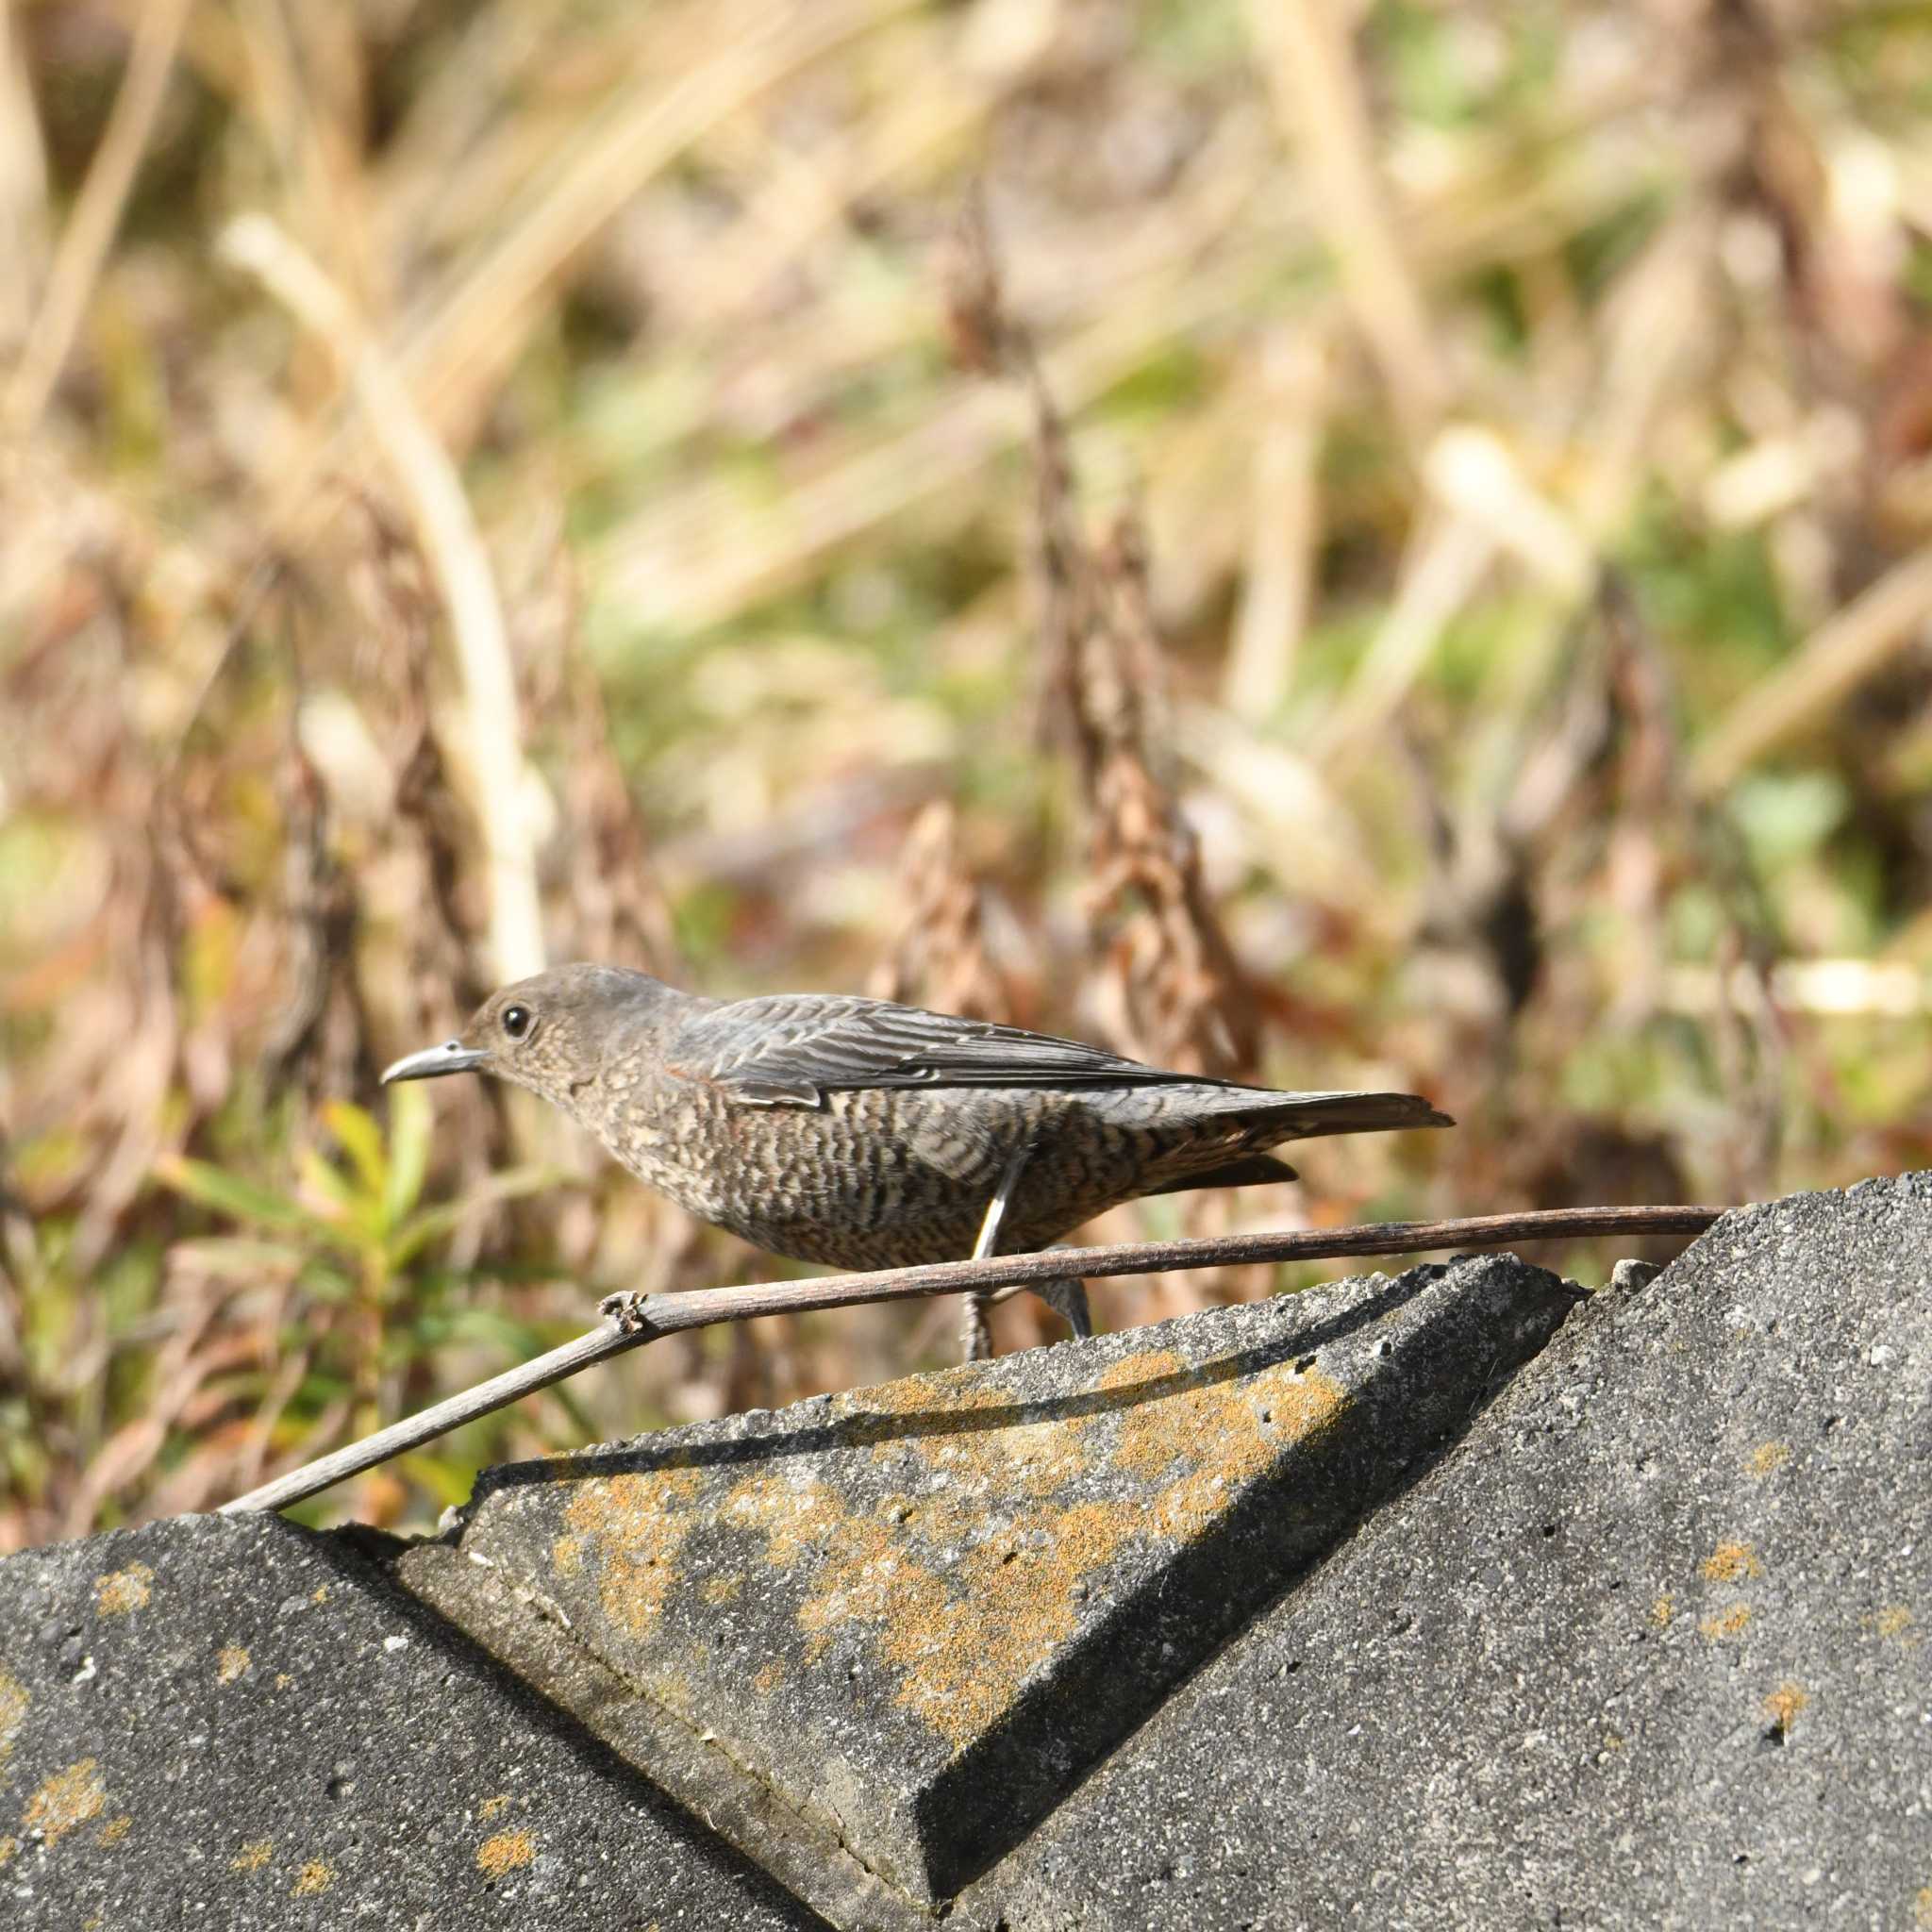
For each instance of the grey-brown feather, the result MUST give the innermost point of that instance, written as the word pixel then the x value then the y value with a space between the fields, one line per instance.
pixel 1253 1170
pixel 863 1133
pixel 800 1046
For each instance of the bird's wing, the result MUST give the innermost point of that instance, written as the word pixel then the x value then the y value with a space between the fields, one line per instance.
pixel 793 1049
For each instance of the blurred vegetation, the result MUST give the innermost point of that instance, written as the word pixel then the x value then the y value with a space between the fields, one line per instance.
pixel 1392 551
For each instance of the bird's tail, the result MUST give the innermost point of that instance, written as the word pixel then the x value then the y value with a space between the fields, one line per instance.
pixel 1260 1119
pixel 1278 1117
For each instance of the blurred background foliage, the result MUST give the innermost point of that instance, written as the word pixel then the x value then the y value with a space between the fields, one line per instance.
pixel 1346 541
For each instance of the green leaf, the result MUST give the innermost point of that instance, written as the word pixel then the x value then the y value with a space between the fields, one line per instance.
pixel 228 1193
pixel 1787 815
pixel 409 1115
pixel 449 1479
pixel 432 1224
pixel 470 1323
pixel 240 1257
pixel 353 1214
pixel 322 1283
pixel 361 1139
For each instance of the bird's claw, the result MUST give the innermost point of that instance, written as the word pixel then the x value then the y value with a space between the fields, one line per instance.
pixel 1068 1300
pixel 625 1311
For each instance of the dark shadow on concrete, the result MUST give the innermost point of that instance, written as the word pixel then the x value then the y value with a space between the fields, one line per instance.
pixel 1263 1549
pixel 864 1431
pixel 357 1555
pixel 1397 1426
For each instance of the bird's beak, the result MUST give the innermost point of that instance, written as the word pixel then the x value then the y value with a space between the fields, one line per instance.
pixel 452 1057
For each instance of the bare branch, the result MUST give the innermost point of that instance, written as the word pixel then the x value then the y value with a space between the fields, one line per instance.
pixel 456 552
pixel 1808 686
pixel 663 1314
pixel 97 212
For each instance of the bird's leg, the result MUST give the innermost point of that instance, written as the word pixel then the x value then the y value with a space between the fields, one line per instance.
pixel 1067 1299
pixel 976 1336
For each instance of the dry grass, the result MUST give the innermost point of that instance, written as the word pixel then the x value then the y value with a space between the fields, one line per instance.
pixel 1411 573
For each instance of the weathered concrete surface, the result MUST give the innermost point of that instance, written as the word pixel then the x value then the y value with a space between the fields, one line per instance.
pixel 231 1722
pixel 1651 1649
pixel 1645 1647
pixel 875 1637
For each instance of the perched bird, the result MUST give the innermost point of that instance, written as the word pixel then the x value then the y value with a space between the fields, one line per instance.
pixel 869 1135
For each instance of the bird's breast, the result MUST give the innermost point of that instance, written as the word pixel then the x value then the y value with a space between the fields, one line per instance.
pixel 870 1177
pixel 878 1177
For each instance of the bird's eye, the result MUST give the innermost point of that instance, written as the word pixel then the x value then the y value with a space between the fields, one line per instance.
pixel 516 1020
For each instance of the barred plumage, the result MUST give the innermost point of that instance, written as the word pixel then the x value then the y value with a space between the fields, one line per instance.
pixel 867 1135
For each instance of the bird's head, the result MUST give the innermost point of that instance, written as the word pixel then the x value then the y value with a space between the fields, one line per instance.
pixel 550 1032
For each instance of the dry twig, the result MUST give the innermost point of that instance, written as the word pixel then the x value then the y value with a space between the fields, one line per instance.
pixel 462 567
pixel 1319 97
pixel 90 231
pixel 665 1314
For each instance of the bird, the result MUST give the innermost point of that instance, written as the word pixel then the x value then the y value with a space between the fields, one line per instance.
pixel 864 1134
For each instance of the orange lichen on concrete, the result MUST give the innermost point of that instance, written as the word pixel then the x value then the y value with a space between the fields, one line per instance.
pixel 114 1830
pixel 252 1858
pixel 768 1678
pixel 864 1573
pixel 1242 1418
pixel 15 1702
pixel 9 1846
pixel 313 1879
pixel 634 1525
pixel 231 1662
pixel 1731 1563
pixel 68 1800
pixel 567 1556
pixel 876 1415
pixel 791 1515
pixel 505 1852
pixel 983 1440
pixel 122 1591
pixel 1921 1906
pixel 966 1636
pixel 1783 1705
pixel 961 1653
pixel 1663 1609
pixel 1227 1430
pixel 1892 1621
pixel 493 1807
pixel 1768 1457
pixel 965 1658
pixel 1726 1623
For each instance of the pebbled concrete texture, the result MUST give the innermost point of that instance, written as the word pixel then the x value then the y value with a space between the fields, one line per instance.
pixel 1292 1615
pixel 1651 1649
pixel 230 1723
pixel 895 1625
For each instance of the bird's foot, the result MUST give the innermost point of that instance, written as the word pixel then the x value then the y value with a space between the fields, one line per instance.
pixel 625 1311
pixel 1068 1300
